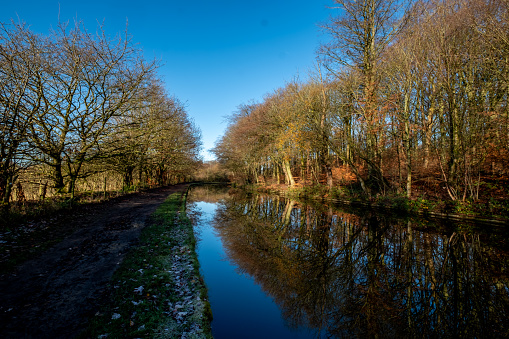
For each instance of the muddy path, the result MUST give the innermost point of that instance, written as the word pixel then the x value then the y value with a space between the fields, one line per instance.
pixel 53 294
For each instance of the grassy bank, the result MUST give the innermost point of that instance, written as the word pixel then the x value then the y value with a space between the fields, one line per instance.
pixel 157 291
pixel 490 211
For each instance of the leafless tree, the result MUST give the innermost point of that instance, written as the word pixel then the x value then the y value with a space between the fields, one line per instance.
pixel 18 102
pixel 359 37
pixel 85 80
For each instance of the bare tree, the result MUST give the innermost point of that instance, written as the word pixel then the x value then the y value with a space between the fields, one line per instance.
pixel 314 99
pixel 18 102
pixel 84 81
pixel 173 141
pixel 359 37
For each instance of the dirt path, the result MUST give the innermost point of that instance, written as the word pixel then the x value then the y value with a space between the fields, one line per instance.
pixel 52 295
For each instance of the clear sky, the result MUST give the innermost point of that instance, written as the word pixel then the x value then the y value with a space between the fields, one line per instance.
pixel 215 55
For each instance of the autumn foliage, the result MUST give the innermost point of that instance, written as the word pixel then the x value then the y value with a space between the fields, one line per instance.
pixel 407 100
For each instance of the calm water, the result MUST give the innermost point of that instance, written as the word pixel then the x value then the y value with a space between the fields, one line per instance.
pixel 277 268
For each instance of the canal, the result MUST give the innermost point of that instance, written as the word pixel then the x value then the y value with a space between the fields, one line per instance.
pixel 282 268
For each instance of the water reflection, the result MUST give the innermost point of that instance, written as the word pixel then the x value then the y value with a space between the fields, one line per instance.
pixel 366 275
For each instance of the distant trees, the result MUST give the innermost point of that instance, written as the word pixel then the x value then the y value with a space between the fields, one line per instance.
pixel 157 139
pixel 75 103
pixel 408 96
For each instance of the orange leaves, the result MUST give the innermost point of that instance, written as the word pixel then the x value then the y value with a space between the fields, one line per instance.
pixel 290 137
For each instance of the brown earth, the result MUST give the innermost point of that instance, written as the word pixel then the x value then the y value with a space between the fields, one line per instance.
pixel 53 294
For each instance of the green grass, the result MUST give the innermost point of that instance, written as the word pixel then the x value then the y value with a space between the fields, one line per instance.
pixel 146 290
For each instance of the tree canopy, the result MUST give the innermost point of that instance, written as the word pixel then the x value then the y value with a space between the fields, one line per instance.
pixel 73 104
pixel 409 98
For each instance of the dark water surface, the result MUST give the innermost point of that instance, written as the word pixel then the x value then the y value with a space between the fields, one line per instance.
pixel 278 268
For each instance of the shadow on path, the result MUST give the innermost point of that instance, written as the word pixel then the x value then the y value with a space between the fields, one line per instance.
pixel 53 295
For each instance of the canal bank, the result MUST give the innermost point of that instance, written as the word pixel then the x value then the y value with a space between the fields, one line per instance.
pixel 445 210
pixel 157 291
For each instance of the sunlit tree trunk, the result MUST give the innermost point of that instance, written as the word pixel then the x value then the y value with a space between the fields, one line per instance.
pixel 288 173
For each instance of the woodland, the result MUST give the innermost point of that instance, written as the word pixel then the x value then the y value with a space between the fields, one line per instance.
pixel 408 100
pixel 86 112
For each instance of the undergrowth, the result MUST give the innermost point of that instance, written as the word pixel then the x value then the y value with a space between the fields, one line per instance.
pixel 19 212
pixel 487 208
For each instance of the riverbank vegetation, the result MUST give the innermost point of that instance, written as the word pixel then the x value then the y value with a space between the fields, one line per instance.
pixel 83 112
pixel 407 103
pixel 157 291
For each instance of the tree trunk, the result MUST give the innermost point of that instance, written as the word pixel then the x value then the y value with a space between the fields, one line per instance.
pixel 128 176
pixel 72 185
pixel 288 173
pixel 427 133
pixel 328 171
pixel 9 182
pixel 408 144
pixel 58 178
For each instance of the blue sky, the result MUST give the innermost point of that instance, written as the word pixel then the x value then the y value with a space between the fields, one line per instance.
pixel 215 55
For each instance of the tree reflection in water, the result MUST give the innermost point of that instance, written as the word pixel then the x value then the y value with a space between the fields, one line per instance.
pixel 366 275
